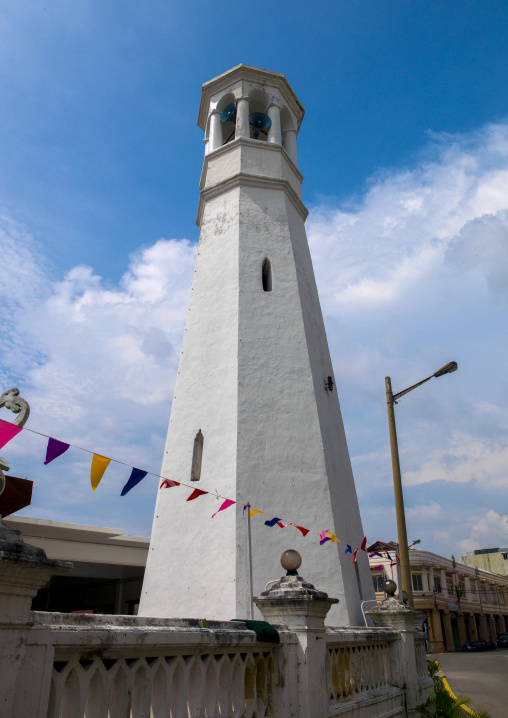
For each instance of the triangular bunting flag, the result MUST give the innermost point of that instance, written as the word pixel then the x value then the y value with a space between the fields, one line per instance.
pixel 136 476
pixel 364 543
pixel 324 540
pixel 272 522
pixel 323 534
pixel 377 568
pixel 356 554
pixel 195 494
pixel 349 549
pixel 388 556
pixel 225 505
pixel 253 512
pixel 333 537
pixel 99 466
pixel 282 525
pixel 375 553
pixel 55 449
pixel 301 529
pixel 168 484
pixel 8 431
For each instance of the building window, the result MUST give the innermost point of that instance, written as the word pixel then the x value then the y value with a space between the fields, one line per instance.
pixel 266 275
pixel 505 556
pixel 501 596
pixel 417 581
pixel 449 584
pixel 437 585
pixel 378 582
pixel 493 594
pixel 483 593
pixel 197 457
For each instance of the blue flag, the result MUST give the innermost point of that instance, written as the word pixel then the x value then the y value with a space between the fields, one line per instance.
pixel 136 476
pixel 272 522
pixel 349 549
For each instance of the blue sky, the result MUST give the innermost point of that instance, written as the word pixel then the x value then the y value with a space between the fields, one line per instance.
pixel 404 149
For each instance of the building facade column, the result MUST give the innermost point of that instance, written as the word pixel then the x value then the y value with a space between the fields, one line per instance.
pixel 473 628
pixel 242 118
pixel 215 138
pixel 462 628
pixel 447 623
pixel 290 145
pixel 274 131
pixel 492 628
pixel 502 624
pixel 436 640
pixel 483 629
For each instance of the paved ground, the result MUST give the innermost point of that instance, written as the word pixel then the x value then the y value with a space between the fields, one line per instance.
pixel 483 677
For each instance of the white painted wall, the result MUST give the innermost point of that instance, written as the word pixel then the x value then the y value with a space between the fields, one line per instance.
pixel 251 377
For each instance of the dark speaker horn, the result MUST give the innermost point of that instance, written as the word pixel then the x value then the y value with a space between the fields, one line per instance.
pixel 259 121
pixel 229 113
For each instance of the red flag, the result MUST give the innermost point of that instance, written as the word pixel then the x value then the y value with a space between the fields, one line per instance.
pixel 300 528
pixel 168 484
pixel 364 543
pixel 195 494
pixel 354 558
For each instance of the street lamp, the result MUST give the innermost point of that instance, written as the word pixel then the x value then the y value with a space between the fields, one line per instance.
pixel 392 399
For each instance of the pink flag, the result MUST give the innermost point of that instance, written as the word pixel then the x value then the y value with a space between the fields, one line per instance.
pixel 225 505
pixel 195 494
pixel 356 553
pixel 7 432
pixel 168 484
pixel 377 568
pixel 323 534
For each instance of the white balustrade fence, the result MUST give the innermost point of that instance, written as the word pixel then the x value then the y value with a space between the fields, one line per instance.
pixel 128 667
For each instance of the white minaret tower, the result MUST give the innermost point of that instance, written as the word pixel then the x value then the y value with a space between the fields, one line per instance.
pixel 251 417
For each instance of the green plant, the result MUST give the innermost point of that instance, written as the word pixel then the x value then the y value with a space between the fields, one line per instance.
pixel 441 703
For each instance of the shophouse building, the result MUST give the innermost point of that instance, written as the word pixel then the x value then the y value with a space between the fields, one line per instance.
pixel 461 603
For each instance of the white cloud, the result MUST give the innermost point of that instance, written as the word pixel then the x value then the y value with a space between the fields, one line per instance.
pixel 488 531
pixel 411 275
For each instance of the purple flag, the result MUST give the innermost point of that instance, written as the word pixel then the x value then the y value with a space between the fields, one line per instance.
pixel 324 540
pixel 55 449
pixel 272 522
pixel 136 476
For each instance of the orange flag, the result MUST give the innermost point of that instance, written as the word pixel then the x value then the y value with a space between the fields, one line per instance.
pixel 99 466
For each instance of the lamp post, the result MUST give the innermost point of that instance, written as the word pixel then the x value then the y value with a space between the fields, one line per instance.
pixel 391 399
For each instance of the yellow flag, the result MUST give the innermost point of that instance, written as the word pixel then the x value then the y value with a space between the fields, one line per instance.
pixel 99 466
pixel 333 537
pixel 255 511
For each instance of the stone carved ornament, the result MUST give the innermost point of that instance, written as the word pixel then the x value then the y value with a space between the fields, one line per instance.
pixel 13 401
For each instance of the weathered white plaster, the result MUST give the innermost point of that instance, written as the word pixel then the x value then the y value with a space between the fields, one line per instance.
pixel 251 377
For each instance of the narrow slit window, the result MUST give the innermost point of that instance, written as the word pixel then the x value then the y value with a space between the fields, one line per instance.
pixel 197 457
pixel 266 275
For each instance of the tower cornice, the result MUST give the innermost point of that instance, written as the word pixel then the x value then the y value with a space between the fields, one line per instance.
pixel 243 179
pixel 237 78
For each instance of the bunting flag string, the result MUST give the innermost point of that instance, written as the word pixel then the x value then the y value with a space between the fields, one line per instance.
pixel 55 449
pixel 7 432
pixel 225 505
pixel 136 476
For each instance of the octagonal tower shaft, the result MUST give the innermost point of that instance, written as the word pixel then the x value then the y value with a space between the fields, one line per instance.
pixel 251 416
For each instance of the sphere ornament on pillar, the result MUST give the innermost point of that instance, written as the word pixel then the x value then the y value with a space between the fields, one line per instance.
pixel 291 561
pixel 389 587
